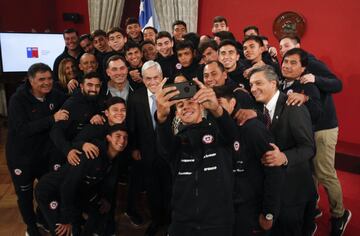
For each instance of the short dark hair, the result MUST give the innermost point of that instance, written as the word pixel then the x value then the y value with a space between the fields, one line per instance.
pixel 114 100
pixel 70 30
pixel 85 36
pixel 193 37
pixel 116 29
pixel 293 37
pixel 90 75
pixel 224 91
pixel 37 67
pixel 219 64
pixel 225 35
pixel 255 38
pixel 113 128
pixel 131 44
pixel 146 42
pixel 178 22
pixel 97 33
pixel 208 44
pixel 228 42
pixel 304 60
pixel 163 34
pixel 152 28
pixel 262 37
pixel 131 20
pixel 115 58
pixel 251 27
pixel 219 19
pixel 184 44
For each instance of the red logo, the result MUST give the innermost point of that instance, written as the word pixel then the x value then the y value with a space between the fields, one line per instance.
pixel 178 66
pixel 236 146
pixel 53 205
pixel 208 138
pixel 17 172
pixel 56 167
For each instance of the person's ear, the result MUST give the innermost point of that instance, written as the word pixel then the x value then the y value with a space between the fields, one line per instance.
pixel 108 138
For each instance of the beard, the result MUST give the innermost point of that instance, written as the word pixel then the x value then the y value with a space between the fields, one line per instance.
pixel 91 97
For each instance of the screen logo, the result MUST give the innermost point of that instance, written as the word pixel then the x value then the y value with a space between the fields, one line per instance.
pixel 32 52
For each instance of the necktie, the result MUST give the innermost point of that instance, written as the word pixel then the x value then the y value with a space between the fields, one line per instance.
pixel 153 109
pixel 267 117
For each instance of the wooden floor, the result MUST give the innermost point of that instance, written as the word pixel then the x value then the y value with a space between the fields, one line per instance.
pixel 10 219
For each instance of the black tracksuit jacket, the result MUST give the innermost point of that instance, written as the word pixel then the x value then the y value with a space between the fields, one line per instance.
pixel 201 160
pixel 81 110
pixel 30 121
pixel 75 187
pixel 254 182
pixel 314 104
pixel 327 84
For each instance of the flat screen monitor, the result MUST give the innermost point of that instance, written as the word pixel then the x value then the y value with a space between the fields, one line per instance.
pixel 20 50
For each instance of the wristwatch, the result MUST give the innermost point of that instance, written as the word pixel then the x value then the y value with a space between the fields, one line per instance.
pixel 269 216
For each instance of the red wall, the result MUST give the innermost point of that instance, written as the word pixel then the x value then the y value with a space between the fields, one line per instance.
pixel 23 15
pixel 131 9
pixel 70 6
pixel 328 23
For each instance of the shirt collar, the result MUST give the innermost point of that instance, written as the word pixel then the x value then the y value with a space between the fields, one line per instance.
pixel 149 93
pixel 272 104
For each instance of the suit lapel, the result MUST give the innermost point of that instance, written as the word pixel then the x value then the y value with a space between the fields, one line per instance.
pixel 278 110
pixel 145 103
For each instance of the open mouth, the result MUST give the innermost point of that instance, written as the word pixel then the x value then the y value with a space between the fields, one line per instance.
pixel 188 113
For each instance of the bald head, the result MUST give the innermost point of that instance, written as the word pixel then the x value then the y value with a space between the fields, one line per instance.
pixel 88 63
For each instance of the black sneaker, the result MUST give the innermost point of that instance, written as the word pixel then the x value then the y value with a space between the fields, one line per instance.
pixel 318 213
pixel 338 225
pixel 32 230
pixel 135 218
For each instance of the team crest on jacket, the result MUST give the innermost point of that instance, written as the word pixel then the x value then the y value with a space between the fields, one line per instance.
pixel 17 172
pixel 290 91
pixel 51 106
pixel 208 138
pixel 178 66
pixel 56 167
pixel 236 146
pixel 53 205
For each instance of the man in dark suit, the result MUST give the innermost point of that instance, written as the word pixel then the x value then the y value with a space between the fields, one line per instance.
pixel 142 140
pixel 293 149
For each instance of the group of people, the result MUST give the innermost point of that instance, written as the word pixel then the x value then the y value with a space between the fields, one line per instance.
pixel 243 156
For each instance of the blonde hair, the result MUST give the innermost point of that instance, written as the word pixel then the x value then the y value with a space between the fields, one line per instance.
pixel 63 79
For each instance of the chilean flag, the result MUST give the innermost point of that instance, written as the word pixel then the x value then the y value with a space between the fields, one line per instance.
pixel 147 15
pixel 32 52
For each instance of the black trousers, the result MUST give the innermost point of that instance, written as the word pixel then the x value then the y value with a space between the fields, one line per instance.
pixel 135 184
pixel 247 220
pixel 158 183
pixel 183 229
pixel 290 221
pixel 23 177
pixel 48 197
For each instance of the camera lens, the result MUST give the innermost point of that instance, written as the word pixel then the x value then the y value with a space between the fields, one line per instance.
pixel 187 89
